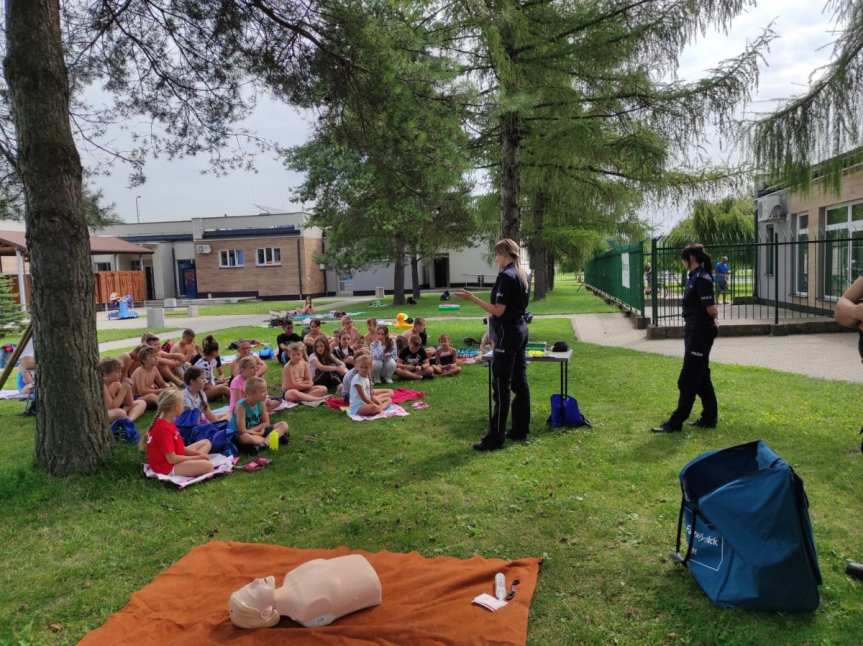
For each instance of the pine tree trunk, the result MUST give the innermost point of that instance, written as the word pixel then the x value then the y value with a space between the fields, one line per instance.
pixel 415 276
pixel 399 275
pixel 510 215
pixel 537 247
pixel 71 433
pixel 549 272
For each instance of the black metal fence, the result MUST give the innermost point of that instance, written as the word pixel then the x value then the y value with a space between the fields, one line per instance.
pixel 773 281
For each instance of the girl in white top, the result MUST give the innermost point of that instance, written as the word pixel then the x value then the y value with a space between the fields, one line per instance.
pixel 363 401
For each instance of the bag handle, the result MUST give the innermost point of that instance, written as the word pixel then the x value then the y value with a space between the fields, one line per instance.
pixel 675 556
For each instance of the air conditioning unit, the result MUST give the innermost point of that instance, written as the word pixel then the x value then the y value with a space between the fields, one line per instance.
pixel 203 249
pixel 773 207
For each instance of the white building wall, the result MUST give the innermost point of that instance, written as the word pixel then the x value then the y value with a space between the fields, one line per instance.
pixel 466 264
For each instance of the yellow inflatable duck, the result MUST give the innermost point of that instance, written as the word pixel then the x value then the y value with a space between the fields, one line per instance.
pixel 401 321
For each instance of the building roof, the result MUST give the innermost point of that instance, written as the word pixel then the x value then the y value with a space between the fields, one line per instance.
pixel 12 241
pixel 256 232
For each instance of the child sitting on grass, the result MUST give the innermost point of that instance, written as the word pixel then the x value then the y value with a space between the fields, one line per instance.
pixel 413 362
pixel 147 381
pixel 343 350
pixel 326 370
pixel 209 363
pixel 297 384
pixel 195 397
pixel 284 341
pixel 354 338
pixel 363 401
pixel 166 452
pixel 186 346
pixel 314 334
pixel 244 349
pixel 447 358
pixel 345 387
pixel 372 335
pixel 117 392
pixel 170 365
pixel 250 420
pixel 27 376
pixel 383 351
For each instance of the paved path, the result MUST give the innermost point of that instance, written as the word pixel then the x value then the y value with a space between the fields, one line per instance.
pixel 826 356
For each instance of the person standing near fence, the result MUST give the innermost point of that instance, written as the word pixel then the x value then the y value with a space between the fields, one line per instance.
pixel 699 314
pixel 508 329
pixel 720 273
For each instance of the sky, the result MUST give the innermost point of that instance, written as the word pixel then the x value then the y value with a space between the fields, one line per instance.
pixel 181 189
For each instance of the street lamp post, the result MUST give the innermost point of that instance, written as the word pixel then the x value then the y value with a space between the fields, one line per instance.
pixel 137 209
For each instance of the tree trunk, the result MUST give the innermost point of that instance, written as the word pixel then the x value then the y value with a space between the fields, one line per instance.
pixel 399 275
pixel 415 276
pixel 549 272
pixel 510 215
pixel 537 248
pixel 71 434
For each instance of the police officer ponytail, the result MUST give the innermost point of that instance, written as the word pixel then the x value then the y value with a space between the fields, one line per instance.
pixel 697 252
pixel 509 247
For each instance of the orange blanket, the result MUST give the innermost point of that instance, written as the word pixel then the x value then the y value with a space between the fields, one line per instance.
pixel 425 601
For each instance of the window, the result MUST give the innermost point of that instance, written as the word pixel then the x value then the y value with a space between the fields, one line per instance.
pixel 771 249
pixel 268 256
pixel 231 258
pixel 843 252
pixel 103 266
pixel 801 256
pixel 135 265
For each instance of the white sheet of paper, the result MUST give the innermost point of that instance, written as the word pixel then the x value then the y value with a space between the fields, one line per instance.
pixel 489 602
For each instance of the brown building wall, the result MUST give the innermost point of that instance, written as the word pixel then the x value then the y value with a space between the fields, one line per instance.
pixel 277 280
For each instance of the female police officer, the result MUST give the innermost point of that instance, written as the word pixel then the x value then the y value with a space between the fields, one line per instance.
pixel 508 331
pixel 699 315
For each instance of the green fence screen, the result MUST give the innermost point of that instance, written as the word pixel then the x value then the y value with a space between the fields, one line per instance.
pixel 619 275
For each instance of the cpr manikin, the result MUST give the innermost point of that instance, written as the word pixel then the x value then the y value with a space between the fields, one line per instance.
pixel 314 594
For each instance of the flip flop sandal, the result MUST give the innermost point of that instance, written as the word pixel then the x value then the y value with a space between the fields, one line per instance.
pixel 251 467
pixel 262 461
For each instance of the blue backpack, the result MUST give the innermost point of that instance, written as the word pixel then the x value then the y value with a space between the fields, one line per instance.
pixel 193 429
pixel 565 412
pixel 745 516
pixel 125 429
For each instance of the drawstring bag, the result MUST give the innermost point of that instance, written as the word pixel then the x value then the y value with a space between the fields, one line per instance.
pixel 565 412
pixel 745 517
pixel 193 428
pixel 125 429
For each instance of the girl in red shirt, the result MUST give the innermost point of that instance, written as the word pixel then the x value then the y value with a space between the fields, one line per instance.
pixel 166 453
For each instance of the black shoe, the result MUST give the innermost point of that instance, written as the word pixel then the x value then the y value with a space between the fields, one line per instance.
pixel 665 428
pixel 516 437
pixel 702 423
pixel 854 569
pixel 488 444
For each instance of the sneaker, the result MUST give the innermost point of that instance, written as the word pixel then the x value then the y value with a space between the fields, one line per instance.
pixel 702 423
pixel 516 437
pixel 665 428
pixel 487 444
pixel 388 380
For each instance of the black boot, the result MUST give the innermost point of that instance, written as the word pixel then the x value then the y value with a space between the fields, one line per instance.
pixel 703 423
pixel 488 443
pixel 665 428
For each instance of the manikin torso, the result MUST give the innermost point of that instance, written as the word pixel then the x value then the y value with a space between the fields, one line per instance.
pixel 314 594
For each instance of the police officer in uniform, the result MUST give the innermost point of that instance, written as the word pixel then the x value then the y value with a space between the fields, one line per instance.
pixel 699 314
pixel 508 331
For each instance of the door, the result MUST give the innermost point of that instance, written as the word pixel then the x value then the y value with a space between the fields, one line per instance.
pixel 441 271
pixel 188 278
pixel 148 278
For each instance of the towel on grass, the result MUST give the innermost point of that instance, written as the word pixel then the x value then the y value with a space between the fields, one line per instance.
pixel 426 601
pixel 393 410
pixel 221 464
pixel 12 394
pixel 400 396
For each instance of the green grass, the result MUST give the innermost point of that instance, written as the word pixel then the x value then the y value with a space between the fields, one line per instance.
pixel 258 307
pixel 599 505
pixel 104 335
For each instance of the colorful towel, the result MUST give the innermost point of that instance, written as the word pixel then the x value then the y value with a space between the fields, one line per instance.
pixel 400 396
pixel 284 404
pixel 393 410
pixel 221 464
pixel 426 601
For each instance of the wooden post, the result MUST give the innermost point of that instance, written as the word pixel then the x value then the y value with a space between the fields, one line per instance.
pixel 22 282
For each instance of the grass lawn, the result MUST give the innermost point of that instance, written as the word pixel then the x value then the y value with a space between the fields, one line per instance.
pixel 599 505
pixel 256 307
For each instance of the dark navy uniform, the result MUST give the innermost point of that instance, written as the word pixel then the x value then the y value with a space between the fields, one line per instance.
pixel 509 366
pixel 699 333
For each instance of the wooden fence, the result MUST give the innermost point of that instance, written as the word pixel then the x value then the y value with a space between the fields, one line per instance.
pixel 107 282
